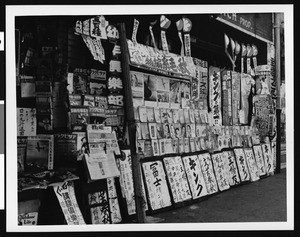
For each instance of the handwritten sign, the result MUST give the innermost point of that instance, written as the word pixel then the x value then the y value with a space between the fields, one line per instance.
pixel 215 95
pixel 208 173
pixel 65 194
pixel 146 56
pixel 266 148
pixel 100 213
pixel 231 169
pixel 156 185
pixel 236 93
pixel 113 201
pixel 241 164
pixel 253 168
pixel 26 121
pixel 177 179
pixel 258 154
pixel 220 172
pixel 195 176
pixel 226 100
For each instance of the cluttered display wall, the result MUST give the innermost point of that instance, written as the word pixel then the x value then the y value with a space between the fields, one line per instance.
pixel 200 129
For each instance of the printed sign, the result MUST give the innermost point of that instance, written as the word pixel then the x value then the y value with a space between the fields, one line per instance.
pixel 26 121
pixel 195 176
pixel 253 168
pixel 177 179
pixel 156 184
pixel 208 173
pixel 65 194
pixel 242 164
pixel 215 95
pixel 158 61
pixel 231 169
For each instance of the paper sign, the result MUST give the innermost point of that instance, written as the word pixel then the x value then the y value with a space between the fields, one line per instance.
pixel 156 184
pixel 177 179
pixel 99 214
pixel 253 168
pixel 208 173
pixel 113 201
pixel 26 121
pixel 195 176
pixel 226 100
pixel 258 154
pixel 236 93
pixel 29 218
pixel 65 194
pixel 241 164
pixel 266 148
pixel 220 171
pixel 215 95
pixel 231 169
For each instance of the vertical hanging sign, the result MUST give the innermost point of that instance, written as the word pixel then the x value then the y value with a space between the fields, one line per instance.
pixel 164 24
pixel 151 33
pixel 249 55
pixel 187 26
pixel 243 54
pixel 134 31
pixel 215 95
pixel 235 96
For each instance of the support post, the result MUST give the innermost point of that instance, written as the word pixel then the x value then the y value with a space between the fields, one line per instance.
pixel 135 158
pixel 278 81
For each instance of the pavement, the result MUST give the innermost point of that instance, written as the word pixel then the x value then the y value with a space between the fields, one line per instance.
pixel 260 201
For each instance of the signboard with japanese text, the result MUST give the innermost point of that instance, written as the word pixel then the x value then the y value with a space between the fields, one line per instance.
pixel 215 95
pixel 26 121
pixel 65 194
pixel 231 169
pixel 195 176
pixel 113 201
pixel 100 213
pixel 156 184
pixel 177 179
pixel 241 164
pixel 226 97
pixel 220 171
pixel 235 96
pixel 258 25
pixel 208 173
pixel 258 154
pixel 267 152
pixel 253 168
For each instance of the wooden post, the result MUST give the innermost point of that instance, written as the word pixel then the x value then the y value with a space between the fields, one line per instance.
pixel 135 158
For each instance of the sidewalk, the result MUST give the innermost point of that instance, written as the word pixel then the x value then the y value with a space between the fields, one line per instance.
pixel 261 201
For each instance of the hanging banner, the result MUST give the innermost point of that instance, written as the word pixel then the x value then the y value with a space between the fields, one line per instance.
pixel 236 92
pixel 164 25
pixel 258 154
pixel 231 169
pixel 255 52
pixel 271 63
pixel 253 168
pixel 187 26
pixel 134 31
pixel 65 194
pixel 208 173
pixel 177 179
pixel 100 214
pixel 266 148
pixel 246 82
pixel 202 86
pixel 215 95
pixel 243 54
pixel 241 164
pixel 156 184
pixel 220 171
pixel 195 176
pixel 249 55
pixel 226 98
pixel 172 64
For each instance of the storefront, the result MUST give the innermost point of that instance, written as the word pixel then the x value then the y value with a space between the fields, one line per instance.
pixel 122 115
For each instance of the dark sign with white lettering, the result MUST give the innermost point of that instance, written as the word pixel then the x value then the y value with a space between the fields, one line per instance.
pixel 256 24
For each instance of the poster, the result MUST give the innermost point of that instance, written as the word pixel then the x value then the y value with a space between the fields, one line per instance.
pixel 231 169
pixel 175 94
pixel 156 184
pixel 177 179
pixel 163 92
pixel 267 153
pixel 26 122
pixel 253 168
pixel 137 87
pixel 241 164
pixel 208 173
pixel 258 154
pixel 150 90
pixel 235 96
pixel 215 95
pixel 220 172
pixel 226 98
pixel 194 176
pixel 65 194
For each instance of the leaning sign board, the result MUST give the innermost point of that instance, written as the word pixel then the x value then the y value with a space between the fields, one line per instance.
pixel 257 25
